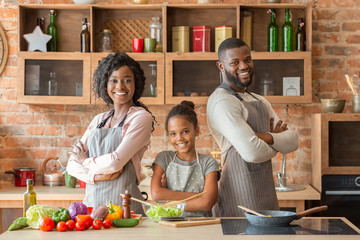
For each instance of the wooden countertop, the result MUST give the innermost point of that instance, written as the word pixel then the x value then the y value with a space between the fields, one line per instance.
pixel 150 230
pixel 12 197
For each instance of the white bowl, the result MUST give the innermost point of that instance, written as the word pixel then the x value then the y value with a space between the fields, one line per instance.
pixel 84 1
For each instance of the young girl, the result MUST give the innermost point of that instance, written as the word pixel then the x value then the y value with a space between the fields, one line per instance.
pixel 181 174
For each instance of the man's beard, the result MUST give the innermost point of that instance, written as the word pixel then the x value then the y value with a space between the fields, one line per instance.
pixel 234 80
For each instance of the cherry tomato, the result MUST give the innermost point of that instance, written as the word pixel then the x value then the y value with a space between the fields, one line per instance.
pixel 70 225
pixel 61 226
pixel 80 226
pixel 86 219
pixel 97 224
pixel 107 223
pixel 47 224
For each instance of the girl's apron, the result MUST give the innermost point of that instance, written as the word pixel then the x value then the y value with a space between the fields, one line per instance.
pixel 103 141
pixel 244 183
pixel 182 178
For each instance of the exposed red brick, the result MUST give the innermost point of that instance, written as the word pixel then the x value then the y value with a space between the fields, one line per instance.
pixel 350 26
pixel 353 39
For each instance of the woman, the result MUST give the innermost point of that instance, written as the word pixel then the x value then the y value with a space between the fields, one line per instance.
pixel 106 157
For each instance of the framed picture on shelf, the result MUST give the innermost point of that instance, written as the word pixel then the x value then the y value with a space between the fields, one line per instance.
pixel 291 86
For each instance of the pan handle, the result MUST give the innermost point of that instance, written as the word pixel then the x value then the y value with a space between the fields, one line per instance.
pixel 12 172
pixel 310 211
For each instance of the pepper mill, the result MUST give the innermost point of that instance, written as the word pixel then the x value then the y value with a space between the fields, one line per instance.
pixel 126 205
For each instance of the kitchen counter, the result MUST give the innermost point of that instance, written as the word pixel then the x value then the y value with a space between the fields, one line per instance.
pixel 12 197
pixel 149 230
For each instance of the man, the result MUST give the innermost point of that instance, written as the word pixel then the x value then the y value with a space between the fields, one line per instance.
pixel 242 124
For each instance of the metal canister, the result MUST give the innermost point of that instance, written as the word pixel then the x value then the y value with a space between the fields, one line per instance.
pixel 201 38
pixel 221 33
pixel 180 39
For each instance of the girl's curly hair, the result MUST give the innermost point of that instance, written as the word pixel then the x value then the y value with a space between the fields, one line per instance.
pixel 112 63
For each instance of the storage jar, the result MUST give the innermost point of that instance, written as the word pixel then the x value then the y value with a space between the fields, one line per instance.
pixel 221 33
pixel 201 38
pixel 180 39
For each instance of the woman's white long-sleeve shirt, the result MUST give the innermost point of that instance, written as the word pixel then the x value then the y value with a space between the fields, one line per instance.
pixel 227 116
pixel 136 133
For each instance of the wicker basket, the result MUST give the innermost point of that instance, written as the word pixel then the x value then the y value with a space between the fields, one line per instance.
pixel 125 30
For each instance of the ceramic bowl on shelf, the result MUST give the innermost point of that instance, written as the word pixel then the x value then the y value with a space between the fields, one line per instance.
pixel 158 210
pixel 84 1
pixel 333 105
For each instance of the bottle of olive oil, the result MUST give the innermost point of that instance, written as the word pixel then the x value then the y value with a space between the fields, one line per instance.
pixel 29 196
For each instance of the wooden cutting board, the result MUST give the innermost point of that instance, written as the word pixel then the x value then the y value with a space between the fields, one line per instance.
pixel 189 223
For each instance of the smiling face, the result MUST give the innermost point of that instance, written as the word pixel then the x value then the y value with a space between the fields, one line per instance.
pixel 182 135
pixel 238 67
pixel 121 86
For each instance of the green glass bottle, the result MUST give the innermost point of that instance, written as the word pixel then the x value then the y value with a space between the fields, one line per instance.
pixel 29 196
pixel 273 32
pixel 300 36
pixel 287 33
pixel 52 30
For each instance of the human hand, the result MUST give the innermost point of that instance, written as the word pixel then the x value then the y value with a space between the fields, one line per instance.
pixel 79 153
pixel 266 137
pixel 280 126
pixel 163 180
pixel 106 177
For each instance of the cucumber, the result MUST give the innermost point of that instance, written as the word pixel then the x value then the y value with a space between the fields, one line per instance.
pixel 131 222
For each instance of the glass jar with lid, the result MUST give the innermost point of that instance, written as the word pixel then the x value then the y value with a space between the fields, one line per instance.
pixel 156 32
pixel 266 86
pixel 106 41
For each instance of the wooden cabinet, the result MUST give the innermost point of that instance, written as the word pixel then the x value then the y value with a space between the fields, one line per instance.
pixel 192 75
pixel 334 145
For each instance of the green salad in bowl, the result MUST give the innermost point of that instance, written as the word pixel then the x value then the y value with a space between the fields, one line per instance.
pixel 158 210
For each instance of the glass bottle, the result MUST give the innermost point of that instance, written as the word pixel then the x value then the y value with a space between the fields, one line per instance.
pixel 40 22
pixel 273 32
pixel 53 85
pixel 29 196
pixel 85 36
pixel 52 30
pixel 156 32
pixel 126 205
pixel 106 41
pixel 152 81
pixel 287 33
pixel 300 36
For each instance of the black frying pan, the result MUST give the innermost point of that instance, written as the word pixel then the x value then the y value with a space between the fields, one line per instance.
pixel 280 218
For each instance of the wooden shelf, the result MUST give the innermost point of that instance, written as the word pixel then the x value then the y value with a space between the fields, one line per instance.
pixel 177 73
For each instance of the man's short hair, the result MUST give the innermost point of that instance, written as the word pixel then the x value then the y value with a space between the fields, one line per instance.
pixel 229 44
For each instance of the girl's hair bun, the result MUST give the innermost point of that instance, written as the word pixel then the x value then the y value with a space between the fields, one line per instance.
pixel 188 104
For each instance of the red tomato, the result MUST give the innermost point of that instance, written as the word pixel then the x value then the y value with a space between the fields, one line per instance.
pixel 61 226
pixel 80 226
pixel 97 224
pixel 86 219
pixel 107 223
pixel 70 224
pixel 47 224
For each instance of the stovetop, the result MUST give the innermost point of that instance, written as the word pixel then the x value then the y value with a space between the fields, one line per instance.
pixel 298 227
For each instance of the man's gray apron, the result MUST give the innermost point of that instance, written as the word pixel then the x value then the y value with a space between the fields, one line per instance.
pixel 103 141
pixel 243 183
pixel 182 178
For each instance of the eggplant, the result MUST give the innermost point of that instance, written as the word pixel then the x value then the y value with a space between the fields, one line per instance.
pixel 100 212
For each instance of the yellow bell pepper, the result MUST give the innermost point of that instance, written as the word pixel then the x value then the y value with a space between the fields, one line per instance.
pixel 115 212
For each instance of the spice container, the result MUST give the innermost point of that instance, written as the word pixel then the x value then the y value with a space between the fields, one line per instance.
pixel 221 33
pixel 180 39
pixel 201 38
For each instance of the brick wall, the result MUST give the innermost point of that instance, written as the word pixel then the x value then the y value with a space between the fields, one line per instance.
pixel 30 133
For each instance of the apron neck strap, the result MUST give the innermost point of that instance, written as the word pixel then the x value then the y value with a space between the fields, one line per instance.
pixel 197 156
pixel 102 123
pixel 232 92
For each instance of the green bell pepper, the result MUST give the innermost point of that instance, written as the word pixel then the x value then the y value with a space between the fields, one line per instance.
pixel 19 223
pixel 61 215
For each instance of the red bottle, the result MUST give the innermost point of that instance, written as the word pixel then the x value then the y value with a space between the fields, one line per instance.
pixel 201 38
pixel 126 205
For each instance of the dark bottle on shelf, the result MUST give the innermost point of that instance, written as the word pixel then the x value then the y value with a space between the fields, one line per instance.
pixel 300 36
pixel 272 32
pixel 29 196
pixel 287 33
pixel 52 30
pixel 40 22
pixel 85 36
